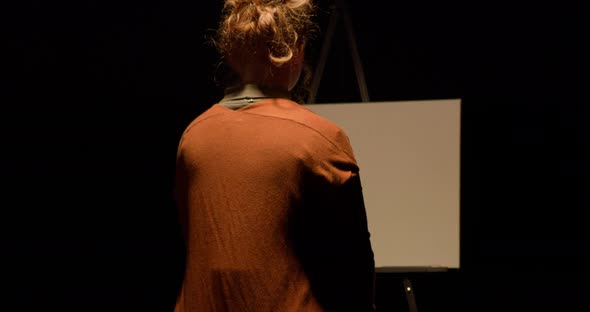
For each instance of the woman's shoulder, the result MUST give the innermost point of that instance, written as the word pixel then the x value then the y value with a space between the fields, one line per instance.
pixel 214 110
pixel 323 128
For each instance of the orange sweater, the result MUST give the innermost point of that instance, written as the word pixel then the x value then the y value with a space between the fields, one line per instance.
pixel 272 212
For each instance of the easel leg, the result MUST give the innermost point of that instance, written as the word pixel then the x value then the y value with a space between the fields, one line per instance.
pixel 326 45
pixel 409 290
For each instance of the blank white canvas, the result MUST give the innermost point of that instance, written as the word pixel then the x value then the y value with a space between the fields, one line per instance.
pixel 409 158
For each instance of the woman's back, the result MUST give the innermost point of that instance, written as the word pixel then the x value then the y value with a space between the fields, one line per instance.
pixel 243 179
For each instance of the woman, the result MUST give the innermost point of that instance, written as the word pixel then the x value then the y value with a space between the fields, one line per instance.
pixel 268 192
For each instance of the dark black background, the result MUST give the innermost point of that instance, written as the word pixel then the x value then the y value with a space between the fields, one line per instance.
pixel 95 95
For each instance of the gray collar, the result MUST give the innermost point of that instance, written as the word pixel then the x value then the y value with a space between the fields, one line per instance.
pixel 242 95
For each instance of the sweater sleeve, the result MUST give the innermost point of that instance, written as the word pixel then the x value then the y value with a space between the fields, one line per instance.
pixel 334 243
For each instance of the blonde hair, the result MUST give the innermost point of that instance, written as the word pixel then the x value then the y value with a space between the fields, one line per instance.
pixel 277 26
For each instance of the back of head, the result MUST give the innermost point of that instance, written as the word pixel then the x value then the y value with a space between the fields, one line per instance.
pixel 268 31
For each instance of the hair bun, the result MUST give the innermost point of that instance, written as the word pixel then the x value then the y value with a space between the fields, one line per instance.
pixel 278 24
